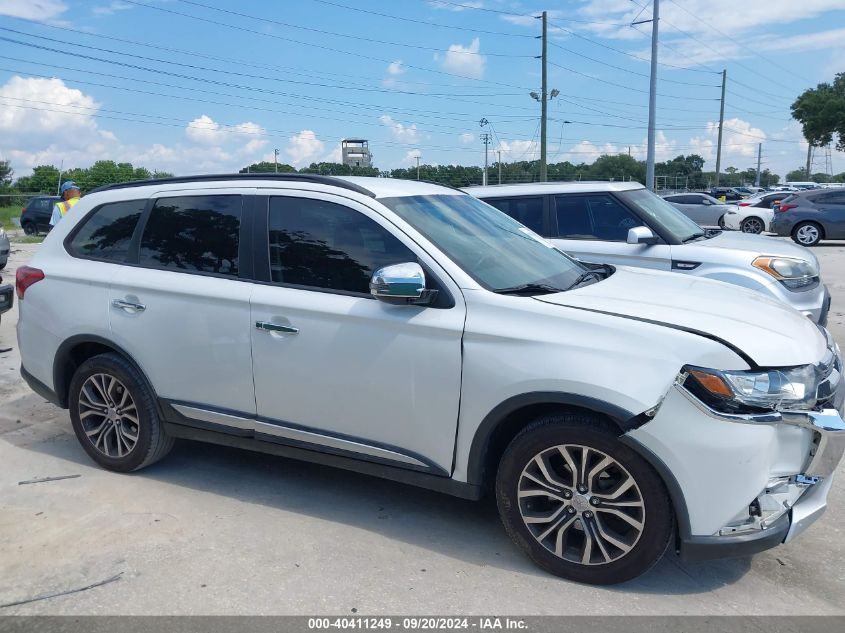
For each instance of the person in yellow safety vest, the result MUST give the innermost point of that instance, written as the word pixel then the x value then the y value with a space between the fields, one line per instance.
pixel 71 195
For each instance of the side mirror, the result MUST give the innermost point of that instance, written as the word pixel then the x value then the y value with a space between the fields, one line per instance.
pixel 401 284
pixel 641 235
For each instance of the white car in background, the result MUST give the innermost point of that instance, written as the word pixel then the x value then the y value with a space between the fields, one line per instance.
pixel 701 208
pixel 754 215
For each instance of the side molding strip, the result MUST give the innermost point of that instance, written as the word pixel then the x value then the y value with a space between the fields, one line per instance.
pixel 214 417
pixel 335 442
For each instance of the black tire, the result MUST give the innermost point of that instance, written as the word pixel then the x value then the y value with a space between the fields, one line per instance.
pixel 647 545
pixel 752 224
pixel 152 442
pixel 29 228
pixel 811 229
pixel 721 222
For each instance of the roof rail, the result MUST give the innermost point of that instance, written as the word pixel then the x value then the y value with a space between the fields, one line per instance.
pixel 331 181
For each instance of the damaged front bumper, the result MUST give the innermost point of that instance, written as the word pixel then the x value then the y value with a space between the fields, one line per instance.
pixel 748 482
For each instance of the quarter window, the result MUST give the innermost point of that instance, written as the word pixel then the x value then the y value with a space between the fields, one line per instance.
pixel 527 211
pixel 106 234
pixel 598 217
pixel 321 244
pixel 194 234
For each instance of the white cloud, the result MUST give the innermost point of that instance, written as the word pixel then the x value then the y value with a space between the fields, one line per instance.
pixel 111 8
pixel 519 150
pixel 411 157
pixel 204 130
pixel 33 9
pixel 400 132
pixel 395 68
pixel 462 60
pixel 303 147
pixel 45 106
pixel 335 156
pixel 466 138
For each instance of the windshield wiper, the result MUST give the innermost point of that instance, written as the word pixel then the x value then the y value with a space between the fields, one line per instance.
pixel 527 289
pixel 692 237
pixel 585 276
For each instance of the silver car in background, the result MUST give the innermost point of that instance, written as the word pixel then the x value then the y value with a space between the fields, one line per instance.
pixel 622 223
pixel 5 247
pixel 701 208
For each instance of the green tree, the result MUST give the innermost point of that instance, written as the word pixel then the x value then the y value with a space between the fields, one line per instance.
pixel 266 167
pixel 44 179
pixel 797 174
pixel 6 173
pixel 821 112
pixel 339 169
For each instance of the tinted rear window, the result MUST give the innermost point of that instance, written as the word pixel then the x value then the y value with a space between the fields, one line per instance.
pixel 106 233
pixel 527 211
pixel 194 234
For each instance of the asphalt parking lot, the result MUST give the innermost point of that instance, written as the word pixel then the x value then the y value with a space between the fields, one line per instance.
pixel 213 530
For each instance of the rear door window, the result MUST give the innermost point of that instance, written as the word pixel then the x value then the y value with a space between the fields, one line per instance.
pixel 320 244
pixel 594 216
pixel 199 234
pixel 527 211
pixel 106 233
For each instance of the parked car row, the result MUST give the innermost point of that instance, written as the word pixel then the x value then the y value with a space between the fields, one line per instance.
pixel 616 403
pixel 811 216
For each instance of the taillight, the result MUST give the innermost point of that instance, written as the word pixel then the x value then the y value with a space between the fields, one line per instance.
pixel 25 277
pixel 785 207
pixel 745 204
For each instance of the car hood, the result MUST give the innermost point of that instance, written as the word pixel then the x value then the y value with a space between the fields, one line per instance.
pixel 769 332
pixel 756 245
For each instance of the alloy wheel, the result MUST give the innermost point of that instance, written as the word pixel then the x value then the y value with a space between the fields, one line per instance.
pixel 807 234
pixel 752 225
pixel 581 504
pixel 108 415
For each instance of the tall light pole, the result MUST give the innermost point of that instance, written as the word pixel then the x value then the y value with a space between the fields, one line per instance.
pixel 544 102
pixel 721 125
pixel 500 165
pixel 652 96
pixel 418 166
pixel 276 160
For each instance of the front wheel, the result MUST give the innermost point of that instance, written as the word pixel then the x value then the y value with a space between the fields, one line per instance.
pixel 581 504
pixel 29 228
pixel 807 234
pixel 752 225
pixel 114 415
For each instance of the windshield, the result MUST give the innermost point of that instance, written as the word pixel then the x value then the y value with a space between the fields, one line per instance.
pixel 495 250
pixel 661 213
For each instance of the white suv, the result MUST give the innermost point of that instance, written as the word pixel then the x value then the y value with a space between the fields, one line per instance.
pixel 410 331
pixel 592 221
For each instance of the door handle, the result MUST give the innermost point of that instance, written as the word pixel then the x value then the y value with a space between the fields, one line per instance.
pixel 275 327
pixel 128 306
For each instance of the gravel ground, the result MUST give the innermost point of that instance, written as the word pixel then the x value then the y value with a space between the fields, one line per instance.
pixel 212 530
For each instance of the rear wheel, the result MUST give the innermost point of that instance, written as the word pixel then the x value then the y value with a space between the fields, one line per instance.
pixel 807 233
pixel 752 225
pixel 29 228
pixel 114 415
pixel 581 504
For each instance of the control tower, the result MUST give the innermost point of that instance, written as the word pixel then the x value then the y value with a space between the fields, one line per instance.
pixel 356 153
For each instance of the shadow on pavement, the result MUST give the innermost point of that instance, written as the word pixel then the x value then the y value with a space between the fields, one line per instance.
pixel 464 530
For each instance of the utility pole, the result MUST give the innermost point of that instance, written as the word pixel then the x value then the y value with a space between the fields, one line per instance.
pixel 418 166
pixel 544 102
pixel 759 156
pixel 500 165
pixel 276 160
pixel 809 158
pixel 486 138
pixel 721 125
pixel 652 96
pixel 59 184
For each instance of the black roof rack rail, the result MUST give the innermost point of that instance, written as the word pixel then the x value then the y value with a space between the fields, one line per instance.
pixel 331 181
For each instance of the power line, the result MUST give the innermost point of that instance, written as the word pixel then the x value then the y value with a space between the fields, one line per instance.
pixel 632 72
pixel 320 46
pixel 511 13
pixel 357 38
pixel 423 22
pixel 751 50
pixel 450 95
pixel 613 83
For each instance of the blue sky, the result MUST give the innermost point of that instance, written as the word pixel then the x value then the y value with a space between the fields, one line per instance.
pixel 213 85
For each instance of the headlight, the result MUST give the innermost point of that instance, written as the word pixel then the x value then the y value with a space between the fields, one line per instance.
pixel 2 232
pixel 792 273
pixel 771 389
